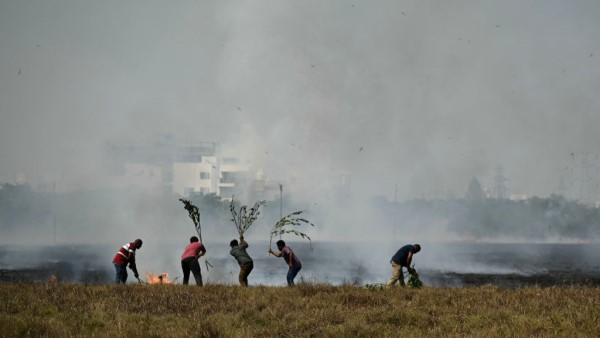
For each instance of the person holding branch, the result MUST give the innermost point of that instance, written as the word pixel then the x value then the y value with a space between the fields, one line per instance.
pixel 189 260
pixel 402 258
pixel 290 258
pixel 238 251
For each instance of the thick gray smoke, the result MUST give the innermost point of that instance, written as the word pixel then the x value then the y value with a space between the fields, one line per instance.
pixel 433 94
pixel 400 101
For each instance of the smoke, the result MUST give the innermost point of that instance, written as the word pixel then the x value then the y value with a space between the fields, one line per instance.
pixel 342 102
pixel 433 94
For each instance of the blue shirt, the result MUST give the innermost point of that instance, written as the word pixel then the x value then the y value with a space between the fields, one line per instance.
pixel 401 255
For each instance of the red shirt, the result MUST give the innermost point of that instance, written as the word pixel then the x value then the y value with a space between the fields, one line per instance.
pixel 124 253
pixel 192 250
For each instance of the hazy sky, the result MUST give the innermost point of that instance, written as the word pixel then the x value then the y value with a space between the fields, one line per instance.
pixel 434 92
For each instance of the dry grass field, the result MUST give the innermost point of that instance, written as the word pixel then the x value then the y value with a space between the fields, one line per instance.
pixel 303 311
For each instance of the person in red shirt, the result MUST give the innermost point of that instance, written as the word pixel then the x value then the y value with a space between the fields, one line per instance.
pixel 126 255
pixel 189 260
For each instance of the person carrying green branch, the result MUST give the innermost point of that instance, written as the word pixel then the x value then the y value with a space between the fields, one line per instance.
pixel 189 260
pixel 238 251
pixel 402 258
pixel 290 258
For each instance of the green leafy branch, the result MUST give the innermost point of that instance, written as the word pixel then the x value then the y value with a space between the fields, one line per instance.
pixel 194 214
pixel 243 218
pixel 290 220
pixel 413 279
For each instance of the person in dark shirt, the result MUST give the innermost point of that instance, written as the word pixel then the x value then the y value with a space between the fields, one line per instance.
pixel 238 251
pixel 402 258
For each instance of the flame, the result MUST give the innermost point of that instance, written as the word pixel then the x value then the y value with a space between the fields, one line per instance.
pixel 162 278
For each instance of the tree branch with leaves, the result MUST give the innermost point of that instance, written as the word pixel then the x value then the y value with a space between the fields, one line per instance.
pixel 413 278
pixel 194 214
pixel 244 218
pixel 291 220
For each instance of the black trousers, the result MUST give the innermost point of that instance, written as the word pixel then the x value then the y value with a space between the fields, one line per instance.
pixel 191 264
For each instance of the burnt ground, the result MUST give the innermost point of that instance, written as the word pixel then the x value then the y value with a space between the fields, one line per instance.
pixel 61 270
pixel 504 265
pixel 40 264
pixel 513 280
pixel 515 265
pixel 64 272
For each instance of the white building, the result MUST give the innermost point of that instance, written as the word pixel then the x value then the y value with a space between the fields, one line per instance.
pixel 232 173
pixel 191 177
pixel 165 164
pixel 518 197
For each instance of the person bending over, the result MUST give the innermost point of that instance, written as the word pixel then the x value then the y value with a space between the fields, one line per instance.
pixel 125 256
pixel 290 259
pixel 238 251
pixel 402 258
pixel 189 260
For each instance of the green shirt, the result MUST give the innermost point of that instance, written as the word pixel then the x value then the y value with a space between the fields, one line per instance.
pixel 239 253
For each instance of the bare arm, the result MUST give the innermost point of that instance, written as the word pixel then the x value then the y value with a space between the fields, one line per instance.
pixel 276 254
pixel 409 259
pixel 201 253
pixel 132 265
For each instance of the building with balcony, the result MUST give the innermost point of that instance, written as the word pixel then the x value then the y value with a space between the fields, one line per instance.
pixel 167 165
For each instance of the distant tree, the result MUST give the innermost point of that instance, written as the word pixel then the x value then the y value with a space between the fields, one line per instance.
pixel 474 191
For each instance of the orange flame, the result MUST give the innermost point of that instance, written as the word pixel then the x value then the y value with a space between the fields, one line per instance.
pixel 162 278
